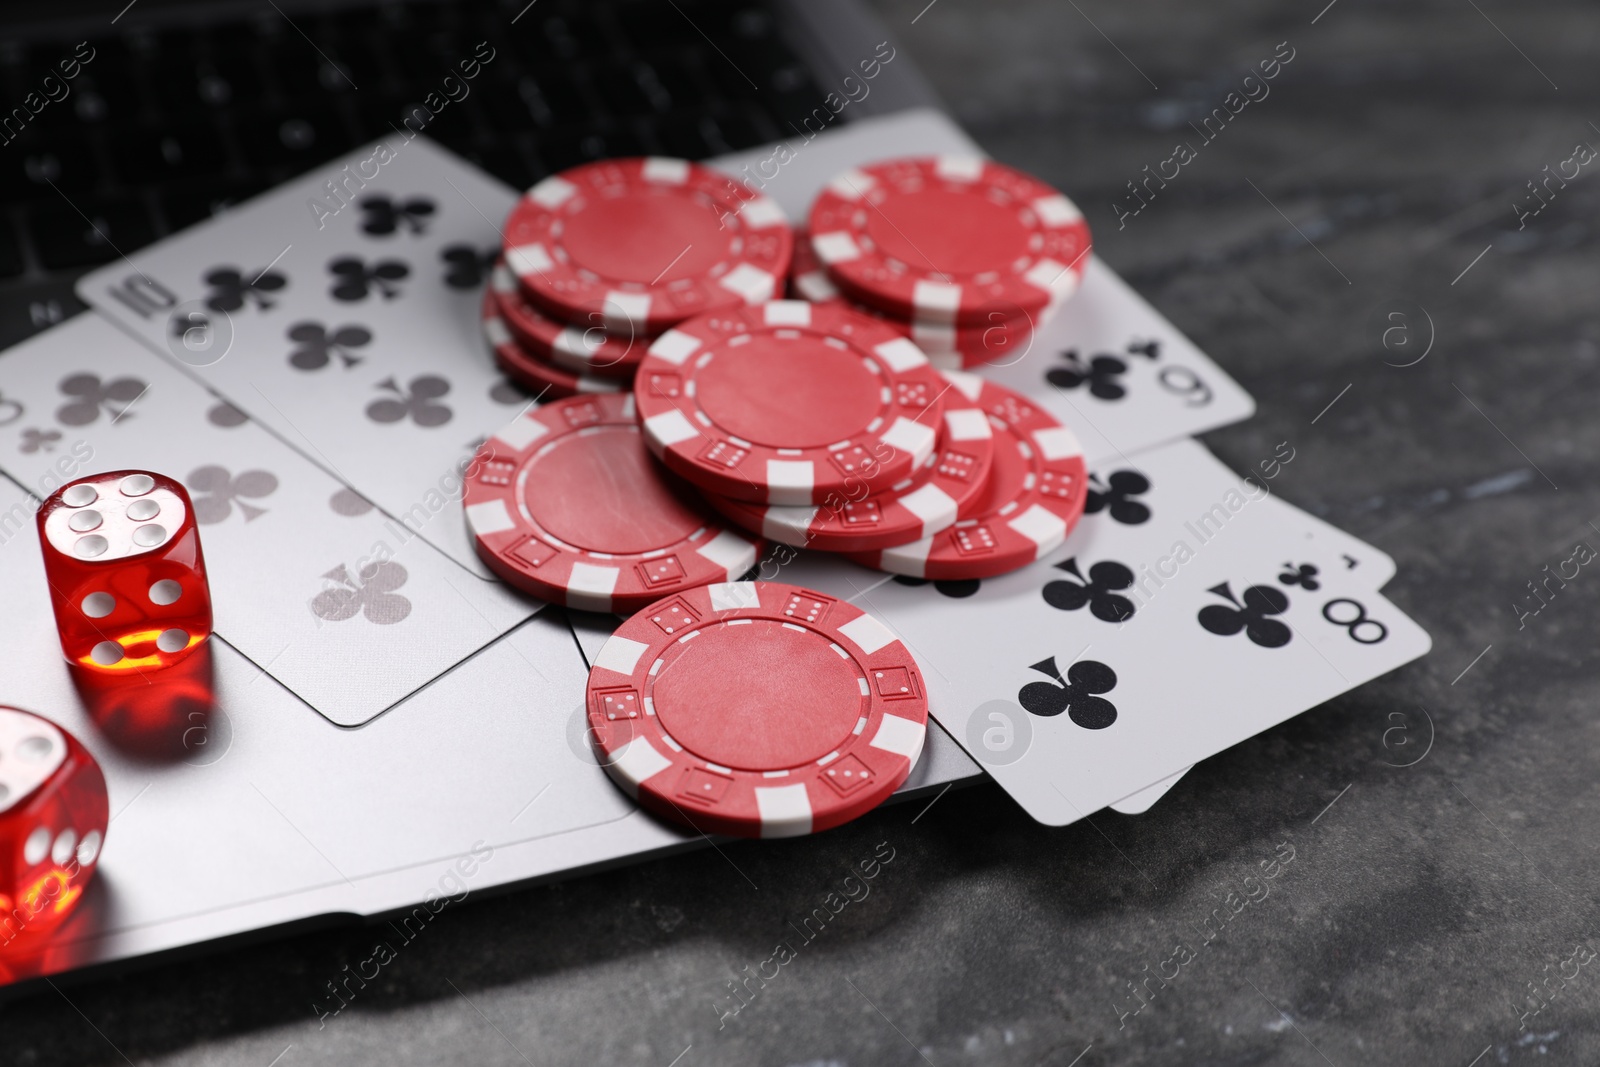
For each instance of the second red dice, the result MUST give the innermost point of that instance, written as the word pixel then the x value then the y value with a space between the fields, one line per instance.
pixel 53 817
pixel 127 577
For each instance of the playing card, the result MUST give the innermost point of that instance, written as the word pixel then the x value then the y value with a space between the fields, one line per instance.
pixel 1187 612
pixel 304 573
pixel 1119 374
pixel 1368 566
pixel 1107 364
pixel 342 312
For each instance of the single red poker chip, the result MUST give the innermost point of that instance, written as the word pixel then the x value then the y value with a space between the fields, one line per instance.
pixel 645 243
pixel 952 479
pixel 566 503
pixel 545 381
pixel 1003 334
pixel 578 349
pixel 948 238
pixel 1034 497
pixel 756 709
pixel 1001 340
pixel 789 402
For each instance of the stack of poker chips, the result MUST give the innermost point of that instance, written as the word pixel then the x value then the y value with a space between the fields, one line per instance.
pixel 841 422
pixel 966 257
pixel 734 419
pixel 600 259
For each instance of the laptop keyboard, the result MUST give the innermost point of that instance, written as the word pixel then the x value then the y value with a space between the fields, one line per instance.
pixel 166 126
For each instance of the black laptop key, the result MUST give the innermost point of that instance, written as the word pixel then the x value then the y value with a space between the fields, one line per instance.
pixel 740 130
pixel 89 231
pixel 652 25
pixel 10 252
pixel 623 91
pixel 503 161
pixel 26 311
pixel 691 135
pixel 555 97
pixel 151 155
pixel 33 164
pixel 187 203
pixel 295 138
pixel 683 86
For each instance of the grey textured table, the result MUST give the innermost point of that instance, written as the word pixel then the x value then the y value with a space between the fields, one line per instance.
pixel 1420 906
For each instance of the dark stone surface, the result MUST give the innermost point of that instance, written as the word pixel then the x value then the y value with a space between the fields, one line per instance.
pixel 1420 905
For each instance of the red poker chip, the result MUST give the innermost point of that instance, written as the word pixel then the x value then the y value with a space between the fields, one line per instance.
pixel 544 380
pixel 789 403
pixel 645 243
pixel 1003 335
pixel 953 479
pixel 1000 340
pixel 566 503
pixel 1034 497
pixel 948 238
pixel 578 349
pixel 756 709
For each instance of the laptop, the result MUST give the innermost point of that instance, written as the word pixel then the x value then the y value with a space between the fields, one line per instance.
pixel 269 816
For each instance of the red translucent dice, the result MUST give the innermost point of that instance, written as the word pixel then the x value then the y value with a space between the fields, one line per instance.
pixel 53 815
pixel 127 578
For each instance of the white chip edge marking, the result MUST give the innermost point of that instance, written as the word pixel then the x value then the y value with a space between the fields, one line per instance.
pixel 868 633
pixel 1057 210
pixel 1053 277
pixel 834 248
pixel 901 354
pixel 1042 526
pixel 733 596
pixel 1057 442
pixel 936 301
pixel 790 481
pixel 520 433
pixel 495 330
pixel 786 313
pixel 968 385
pixel 625 312
pixel 911 437
pixel 574 341
pixel 528 259
pixel 763 212
pixel 959 168
pixel 666 170
pixel 590 585
pixel 816 286
pixel 489 517
pixel 967 424
pixel 754 285
pixel 901 736
pixel 675 347
pixel 785 810
pixel 911 559
pixel 732 553
pixel 637 762
pixel 669 428
pixel 852 184
pixel 552 192
pixel 935 507
pixel 790 524
pixel 620 654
